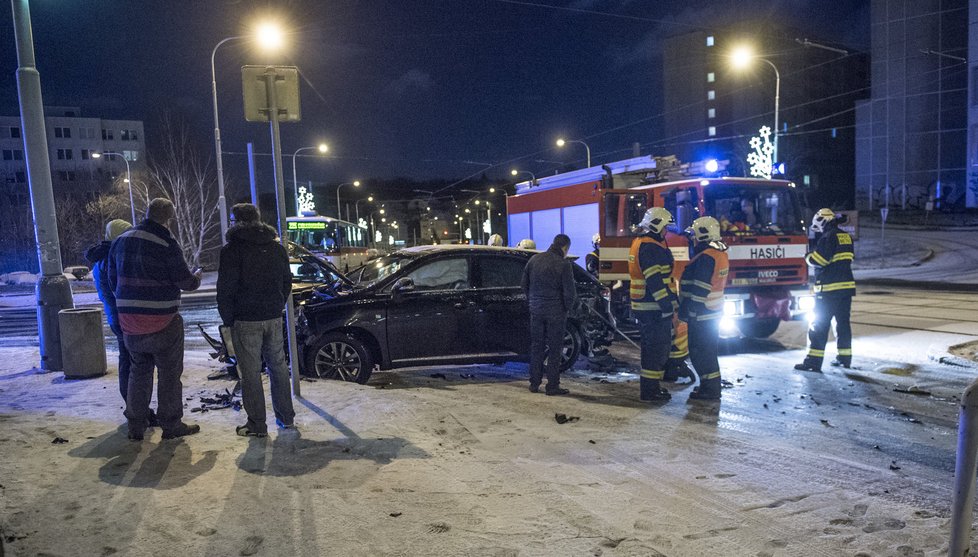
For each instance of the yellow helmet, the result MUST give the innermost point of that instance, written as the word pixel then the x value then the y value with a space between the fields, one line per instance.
pixel 495 240
pixel 822 218
pixel 655 220
pixel 527 243
pixel 705 229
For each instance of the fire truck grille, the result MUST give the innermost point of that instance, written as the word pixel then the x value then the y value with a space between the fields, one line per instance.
pixel 766 275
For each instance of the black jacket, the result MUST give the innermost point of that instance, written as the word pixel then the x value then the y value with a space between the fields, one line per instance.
pixel 548 282
pixel 832 259
pixel 254 279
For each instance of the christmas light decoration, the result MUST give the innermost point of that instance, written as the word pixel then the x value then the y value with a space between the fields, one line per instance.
pixel 761 159
pixel 306 202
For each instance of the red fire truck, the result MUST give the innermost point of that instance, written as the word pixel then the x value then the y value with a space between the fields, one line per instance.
pixel 762 224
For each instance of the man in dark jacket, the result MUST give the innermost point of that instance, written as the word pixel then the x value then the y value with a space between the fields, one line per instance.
pixel 548 282
pixel 253 285
pixel 98 256
pixel 147 272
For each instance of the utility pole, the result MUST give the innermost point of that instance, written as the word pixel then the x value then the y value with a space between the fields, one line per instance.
pixel 52 290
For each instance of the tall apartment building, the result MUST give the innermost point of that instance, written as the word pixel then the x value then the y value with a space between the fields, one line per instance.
pixel 72 139
pixel 711 110
pixel 914 148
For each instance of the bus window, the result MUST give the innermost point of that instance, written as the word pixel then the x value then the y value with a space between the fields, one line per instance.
pixel 622 211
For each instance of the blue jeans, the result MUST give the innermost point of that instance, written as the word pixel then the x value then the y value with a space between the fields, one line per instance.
pixel 253 342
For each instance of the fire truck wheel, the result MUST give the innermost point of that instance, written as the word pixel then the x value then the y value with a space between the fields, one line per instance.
pixel 340 356
pixel 573 343
pixel 758 328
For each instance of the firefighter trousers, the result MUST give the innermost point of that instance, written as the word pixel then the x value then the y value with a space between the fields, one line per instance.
pixel 704 340
pixel 656 340
pixel 828 308
pixel 679 348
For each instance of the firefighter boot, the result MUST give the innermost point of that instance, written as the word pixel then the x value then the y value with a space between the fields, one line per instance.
pixel 676 370
pixel 650 391
pixel 842 361
pixel 810 364
pixel 708 390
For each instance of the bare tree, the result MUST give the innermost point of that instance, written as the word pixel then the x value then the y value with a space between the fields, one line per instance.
pixel 179 173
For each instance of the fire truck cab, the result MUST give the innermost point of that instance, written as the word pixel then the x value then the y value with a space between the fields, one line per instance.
pixel 761 222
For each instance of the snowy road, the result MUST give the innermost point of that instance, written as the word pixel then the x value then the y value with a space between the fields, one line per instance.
pixel 790 463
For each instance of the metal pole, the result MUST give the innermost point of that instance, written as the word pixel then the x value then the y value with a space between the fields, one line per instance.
pixel 777 102
pixel 338 214
pixel 295 183
pixel 270 78
pixel 132 204
pixel 52 289
pixel 962 508
pixel 251 174
pixel 221 202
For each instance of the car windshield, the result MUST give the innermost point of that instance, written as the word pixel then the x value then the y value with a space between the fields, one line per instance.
pixel 382 267
pixel 753 210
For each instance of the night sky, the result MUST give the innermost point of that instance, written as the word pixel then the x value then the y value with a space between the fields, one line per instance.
pixel 416 88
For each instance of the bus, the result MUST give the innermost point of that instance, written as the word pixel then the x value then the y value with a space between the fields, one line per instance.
pixel 343 243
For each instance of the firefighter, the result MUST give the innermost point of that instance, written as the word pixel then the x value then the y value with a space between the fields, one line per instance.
pixel 592 259
pixel 701 303
pixel 653 296
pixel 834 289
pixel 676 367
pixel 495 240
pixel 526 243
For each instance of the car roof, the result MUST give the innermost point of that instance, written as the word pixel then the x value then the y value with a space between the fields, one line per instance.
pixel 448 248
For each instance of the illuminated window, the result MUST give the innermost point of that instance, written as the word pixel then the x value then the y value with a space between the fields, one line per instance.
pixel 711 95
pixel 711 131
pixel 711 77
pixel 709 40
pixel 711 113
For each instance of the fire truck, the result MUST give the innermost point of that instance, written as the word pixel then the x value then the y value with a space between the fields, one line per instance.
pixel 761 221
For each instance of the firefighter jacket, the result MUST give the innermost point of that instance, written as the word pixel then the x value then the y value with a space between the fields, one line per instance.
pixel 650 266
pixel 832 259
pixel 701 286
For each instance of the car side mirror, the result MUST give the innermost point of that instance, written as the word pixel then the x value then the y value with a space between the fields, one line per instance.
pixel 403 284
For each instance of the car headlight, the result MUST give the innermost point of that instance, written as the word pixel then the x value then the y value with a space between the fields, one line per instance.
pixel 733 308
pixel 727 325
pixel 806 303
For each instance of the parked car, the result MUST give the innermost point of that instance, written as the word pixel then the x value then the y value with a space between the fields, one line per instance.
pixel 433 305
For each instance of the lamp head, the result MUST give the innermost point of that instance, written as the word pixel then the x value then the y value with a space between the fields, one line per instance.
pixel 741 57
pixel 323 148
pixel 492 190
pixel 561 142
pixel 514 172
pixel 370 199
pixel 269 35
pixel 356 183
pixel 96 155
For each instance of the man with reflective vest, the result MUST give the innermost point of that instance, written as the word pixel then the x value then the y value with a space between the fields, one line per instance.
pixel 701 303
pixel 593 259
pixel 653 295
pixel 834 289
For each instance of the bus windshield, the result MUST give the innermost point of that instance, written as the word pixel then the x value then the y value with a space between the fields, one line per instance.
pixel 753 210
pixel 319 235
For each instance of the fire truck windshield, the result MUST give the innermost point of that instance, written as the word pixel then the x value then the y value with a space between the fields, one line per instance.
pixel 753 210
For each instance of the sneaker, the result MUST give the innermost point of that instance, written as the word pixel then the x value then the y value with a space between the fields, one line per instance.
pixel 243 431
pixel 807 366
pixel 700 394
pixel 557 392
pixel 182 430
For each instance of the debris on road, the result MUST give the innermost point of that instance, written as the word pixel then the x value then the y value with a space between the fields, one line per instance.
pixel 724 384
pixel 227 399
pixel 914 390
pixel 564 418
pixel 396 514
pixel 826 423
pixel 59 441
pixel 893 465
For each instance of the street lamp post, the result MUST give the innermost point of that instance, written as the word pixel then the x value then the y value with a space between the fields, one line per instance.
pixel 132 205
pixel 323 148
pixel 270 37
pixel 561 142
pixel 356 184
pixel 743 56
pixel 356 206
pixel 533 178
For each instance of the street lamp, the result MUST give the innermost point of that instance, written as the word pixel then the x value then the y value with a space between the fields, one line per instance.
pixel 740 58
pixel 323 148
pixel 356 184
pixel 132 205
pixel 370 199
pixel 561 142
pixel 514 172
pixel 269 36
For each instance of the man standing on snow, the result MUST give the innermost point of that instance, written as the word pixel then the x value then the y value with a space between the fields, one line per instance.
pixel 253 285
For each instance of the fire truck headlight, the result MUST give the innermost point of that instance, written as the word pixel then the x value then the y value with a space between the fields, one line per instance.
pixel 806 303
pixel 727 325
pixel 733 308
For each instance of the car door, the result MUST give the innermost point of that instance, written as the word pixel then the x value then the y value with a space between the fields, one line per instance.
pixel 437 317
pixel 505 316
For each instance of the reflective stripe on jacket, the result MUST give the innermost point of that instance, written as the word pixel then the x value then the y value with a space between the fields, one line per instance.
pixel 702 284
pixel 652 287
pixel 832 259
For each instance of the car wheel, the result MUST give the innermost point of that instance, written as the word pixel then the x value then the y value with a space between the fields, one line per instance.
pixel 758 327
pixel 572 347
pixel 340 356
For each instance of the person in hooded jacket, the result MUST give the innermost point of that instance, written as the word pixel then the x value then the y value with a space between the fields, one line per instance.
pixel 98 256
pixel 253 285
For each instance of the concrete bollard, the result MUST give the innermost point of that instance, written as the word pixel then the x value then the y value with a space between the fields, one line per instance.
pixel 962 509
pixel 82 342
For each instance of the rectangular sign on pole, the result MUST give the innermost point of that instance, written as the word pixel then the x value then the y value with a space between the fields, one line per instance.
pixel 255 92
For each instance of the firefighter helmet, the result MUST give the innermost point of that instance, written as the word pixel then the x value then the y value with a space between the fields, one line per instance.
pixel 495 240
pixel 527 243
pixel 705 229
pixel 655 220
pixel 596 240
pixel 822 218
